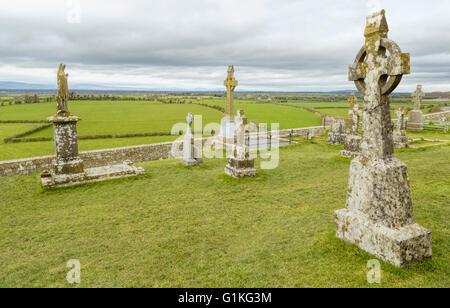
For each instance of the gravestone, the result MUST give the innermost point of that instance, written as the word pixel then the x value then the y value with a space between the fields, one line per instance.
pixel 337 134
pixel 239 163
pixel 352 139
pixel 67 166
pixel 415 118
pixel 379 216
pixel 191 155
pixel 400 139
pixel 228 125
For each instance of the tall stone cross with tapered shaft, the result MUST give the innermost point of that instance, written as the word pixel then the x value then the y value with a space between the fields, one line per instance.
pixel 355 114
pixel 400 113
pixel 378 216
pixel 417 97
pixel 230 83
pixel 376 75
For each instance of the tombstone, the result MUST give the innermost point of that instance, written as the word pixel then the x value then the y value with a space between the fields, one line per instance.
pixel 337 134
pixel 191 155
pixel 240 164
pixel 400 139
pixel 378 217
pixel 415 118
pixel 67 166
pixel 446 129
pixel 227 124
pixel 352 139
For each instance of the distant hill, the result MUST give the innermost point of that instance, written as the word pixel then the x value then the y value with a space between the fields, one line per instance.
pixel 14 85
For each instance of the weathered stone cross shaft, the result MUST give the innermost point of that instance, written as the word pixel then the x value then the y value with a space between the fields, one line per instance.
pixel 376 75
pixel 230 83
pixel 417 97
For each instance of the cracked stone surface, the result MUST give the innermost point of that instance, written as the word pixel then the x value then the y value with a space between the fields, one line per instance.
pixel 378 216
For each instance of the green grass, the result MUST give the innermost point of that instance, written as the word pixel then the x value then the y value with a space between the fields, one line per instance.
pixel 194 227
pixel 260 112
pixel 12 129
pixel 115 117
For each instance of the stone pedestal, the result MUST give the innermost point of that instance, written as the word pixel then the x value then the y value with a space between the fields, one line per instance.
pixel 227 129
pixel 379 215
pixel 240 168
pixel 352 147
pixel 126 169
pixel 67 160
pixel 415 120
pixel 191 155
pixel 67 167
pixel 400 140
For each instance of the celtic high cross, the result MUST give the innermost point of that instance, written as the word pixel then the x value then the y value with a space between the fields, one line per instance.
pixel 231 83
pixel 376 75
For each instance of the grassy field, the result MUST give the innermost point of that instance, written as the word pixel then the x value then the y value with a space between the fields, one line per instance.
pixel 12 129
pixel 128 117
pixel 118 117
pixel 194 227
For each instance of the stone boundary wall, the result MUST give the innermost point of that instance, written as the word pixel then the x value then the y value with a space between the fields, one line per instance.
pixel 437 116
pixel 136 154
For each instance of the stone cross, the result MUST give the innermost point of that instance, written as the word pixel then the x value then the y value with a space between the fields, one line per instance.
pixel 378 216
pixel 63 92
pixel 355 114
pixel 241 150
pixel 376 75
pixel 352 100
pixel 400 113
pixel 417 97
pixel 230 83
pixel 189 124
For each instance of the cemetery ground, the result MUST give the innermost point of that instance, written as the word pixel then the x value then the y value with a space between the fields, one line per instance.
pixel 182 226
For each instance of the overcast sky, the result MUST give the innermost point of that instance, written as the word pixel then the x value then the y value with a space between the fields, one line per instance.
pixel 275 45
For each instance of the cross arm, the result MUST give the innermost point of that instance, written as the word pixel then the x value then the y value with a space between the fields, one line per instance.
pixel 398 64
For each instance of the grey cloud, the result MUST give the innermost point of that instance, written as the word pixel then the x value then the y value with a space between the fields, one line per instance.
pixel 283 45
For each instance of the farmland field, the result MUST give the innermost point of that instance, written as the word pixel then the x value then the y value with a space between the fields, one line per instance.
pixel 122 116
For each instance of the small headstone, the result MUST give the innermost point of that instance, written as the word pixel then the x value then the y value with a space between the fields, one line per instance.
pixel 352 139
pixel 379 216
pixel 400 139
pixel 191 155
pixel 239 163
pixel 415 118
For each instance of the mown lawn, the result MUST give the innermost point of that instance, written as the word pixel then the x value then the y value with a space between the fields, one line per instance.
pixel 195 227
